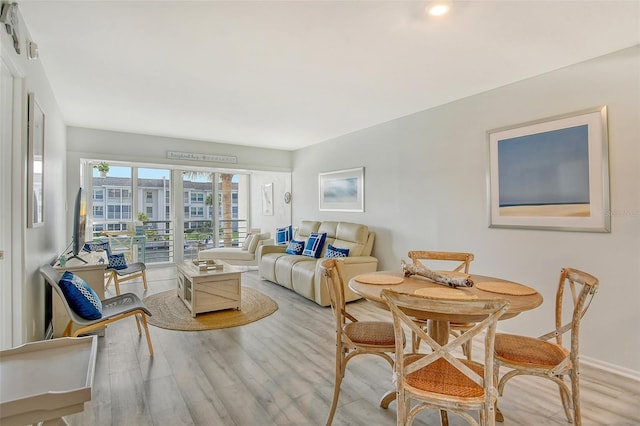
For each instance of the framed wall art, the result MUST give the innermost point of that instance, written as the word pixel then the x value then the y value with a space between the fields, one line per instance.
pixel 267 199
pixel 551 174
pixel 342 190
pixel 35 167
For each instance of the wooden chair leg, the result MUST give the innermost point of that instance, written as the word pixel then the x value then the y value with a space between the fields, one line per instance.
pixel 143 317
pixel 144 279
pixel 338 381
pixel 116 282
pixel 444 418
pixel 67 329
pixel 575 394
pixel 138 323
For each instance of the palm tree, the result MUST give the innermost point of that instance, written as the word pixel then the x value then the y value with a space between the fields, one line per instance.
pixel 227 211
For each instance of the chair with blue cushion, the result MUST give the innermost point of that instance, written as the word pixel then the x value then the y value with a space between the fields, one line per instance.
pixel 118 270
pixel 90 313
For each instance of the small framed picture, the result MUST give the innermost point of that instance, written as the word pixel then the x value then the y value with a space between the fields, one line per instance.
pixel 342 190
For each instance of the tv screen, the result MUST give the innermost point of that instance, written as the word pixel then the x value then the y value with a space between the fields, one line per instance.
pixel 79 223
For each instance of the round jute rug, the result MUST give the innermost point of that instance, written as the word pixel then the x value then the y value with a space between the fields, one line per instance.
pixel 170 312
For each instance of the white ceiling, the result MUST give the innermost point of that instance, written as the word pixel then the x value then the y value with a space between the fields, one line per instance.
pixel 293 73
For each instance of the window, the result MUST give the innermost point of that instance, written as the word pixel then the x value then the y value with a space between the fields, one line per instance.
pixel 119 212
pixel 98 212
pixel 150 212
pixel 197 212
pixel 197 197
pixel 149 196
pixel 98 195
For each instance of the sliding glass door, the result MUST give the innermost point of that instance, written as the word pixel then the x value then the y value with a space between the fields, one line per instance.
pixel 136 209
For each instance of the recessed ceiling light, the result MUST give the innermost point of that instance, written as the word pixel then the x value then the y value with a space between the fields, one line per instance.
pixel 438 8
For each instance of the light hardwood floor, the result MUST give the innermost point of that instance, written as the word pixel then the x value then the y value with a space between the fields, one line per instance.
pixel 280 371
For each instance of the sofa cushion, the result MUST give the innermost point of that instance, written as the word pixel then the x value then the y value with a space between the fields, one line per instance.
pixel 226 253
pixel 352 236
pixel 283 235
pixel 336 251
pixel 307 227
pixel 314 245
pixel 295 247
pixel 247 241
pixel 256 240
pixel 284 267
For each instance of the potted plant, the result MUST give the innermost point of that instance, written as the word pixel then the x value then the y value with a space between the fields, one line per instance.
pixel 103 168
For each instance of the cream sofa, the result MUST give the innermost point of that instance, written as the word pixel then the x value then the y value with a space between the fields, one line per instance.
pixel 303 274
pixel 242 256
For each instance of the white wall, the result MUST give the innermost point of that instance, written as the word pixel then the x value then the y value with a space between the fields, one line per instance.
pixel 34 246
pixel 425 188
pixel 264 165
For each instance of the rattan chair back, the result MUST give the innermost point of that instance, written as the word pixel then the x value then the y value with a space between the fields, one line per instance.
pixel 546 356
pixel 440 380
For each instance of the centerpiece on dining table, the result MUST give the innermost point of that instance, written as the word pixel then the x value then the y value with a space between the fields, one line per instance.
pixel 450 279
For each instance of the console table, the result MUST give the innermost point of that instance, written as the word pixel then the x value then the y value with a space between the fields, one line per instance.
pixel 93 274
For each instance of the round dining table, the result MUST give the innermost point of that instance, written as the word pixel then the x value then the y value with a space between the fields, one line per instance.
pixel 521 298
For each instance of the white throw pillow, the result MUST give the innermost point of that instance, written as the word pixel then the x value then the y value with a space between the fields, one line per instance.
pixel 255 239
pixel 247 242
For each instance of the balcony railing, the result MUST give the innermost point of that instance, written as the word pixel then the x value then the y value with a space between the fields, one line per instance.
pixel 159 243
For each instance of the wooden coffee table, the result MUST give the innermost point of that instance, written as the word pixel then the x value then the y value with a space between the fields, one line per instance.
pixel 210 290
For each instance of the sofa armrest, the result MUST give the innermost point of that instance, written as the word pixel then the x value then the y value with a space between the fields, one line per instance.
pixel 268 248
pixel 353 265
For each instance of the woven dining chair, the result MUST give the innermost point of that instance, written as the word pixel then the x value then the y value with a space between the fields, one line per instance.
pixel 440 380
pixel 461 261
pixel 353 337
pixel 543 357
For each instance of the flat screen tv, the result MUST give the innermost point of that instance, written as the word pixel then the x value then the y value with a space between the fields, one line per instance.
pixel 79 224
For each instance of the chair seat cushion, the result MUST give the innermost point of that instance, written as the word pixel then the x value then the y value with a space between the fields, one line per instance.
pixel 374 333
pixel 523 350
pixel 130 269
pixel 443 378
pixel 80 297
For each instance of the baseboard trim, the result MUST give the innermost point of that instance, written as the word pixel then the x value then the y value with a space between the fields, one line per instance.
pixel 622 372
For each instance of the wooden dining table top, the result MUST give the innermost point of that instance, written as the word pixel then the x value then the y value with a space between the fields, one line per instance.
pixel 526 298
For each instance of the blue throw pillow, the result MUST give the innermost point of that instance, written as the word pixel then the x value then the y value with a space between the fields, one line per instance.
pixel 336 251
pixel 117 261
pixel 314 245
pixel 295 247
pixel 80 297
pixel 97 246
pixel 283 235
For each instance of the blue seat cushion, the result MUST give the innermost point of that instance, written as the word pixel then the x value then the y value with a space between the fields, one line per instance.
pixel 336 251
pixel 314 245
pixel 117 261
pixel 295 247
pixel 80 297
pixel 97 246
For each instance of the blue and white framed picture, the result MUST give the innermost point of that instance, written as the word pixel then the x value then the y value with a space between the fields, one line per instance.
pixel 342 190
pixel 551 174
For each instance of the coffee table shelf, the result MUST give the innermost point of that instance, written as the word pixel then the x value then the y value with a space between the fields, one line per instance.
pixel 209 290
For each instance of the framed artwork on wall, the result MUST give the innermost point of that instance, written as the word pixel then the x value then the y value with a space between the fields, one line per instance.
pixel 267 199
pixel 35 167
pixel 342 190
pixel 551 174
